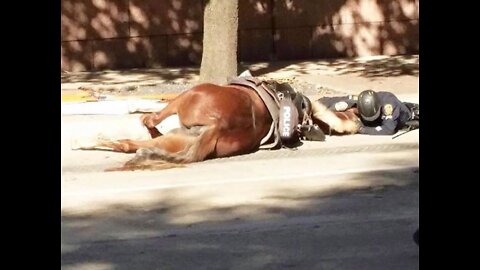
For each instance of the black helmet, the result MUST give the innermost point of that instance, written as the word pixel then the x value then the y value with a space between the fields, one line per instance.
pixel 369 105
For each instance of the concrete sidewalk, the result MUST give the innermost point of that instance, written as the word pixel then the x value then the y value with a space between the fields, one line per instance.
pixel 398 74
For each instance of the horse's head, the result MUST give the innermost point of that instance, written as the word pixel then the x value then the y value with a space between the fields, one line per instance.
pixel 296 115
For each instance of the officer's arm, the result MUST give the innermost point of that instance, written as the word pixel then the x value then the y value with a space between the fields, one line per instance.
pixel 388 127
pixel 330 101
pixel 341 103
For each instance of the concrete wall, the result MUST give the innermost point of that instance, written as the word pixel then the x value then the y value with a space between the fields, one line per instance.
pixel 119 34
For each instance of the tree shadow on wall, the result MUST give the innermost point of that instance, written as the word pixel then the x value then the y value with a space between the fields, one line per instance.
pixel 333 31
pixel 120 34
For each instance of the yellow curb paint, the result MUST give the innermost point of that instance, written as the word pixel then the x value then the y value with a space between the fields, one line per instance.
pixel 77 97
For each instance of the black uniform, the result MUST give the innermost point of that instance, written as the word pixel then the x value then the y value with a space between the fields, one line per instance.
pixel 393 117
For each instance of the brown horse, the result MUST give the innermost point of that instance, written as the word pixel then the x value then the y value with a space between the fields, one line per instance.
pixel 215 121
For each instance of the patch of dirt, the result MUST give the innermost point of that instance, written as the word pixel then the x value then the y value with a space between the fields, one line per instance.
pixel 305 88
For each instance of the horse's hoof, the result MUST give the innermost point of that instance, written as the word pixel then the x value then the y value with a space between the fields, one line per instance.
pixel 149 120
pixel 75 145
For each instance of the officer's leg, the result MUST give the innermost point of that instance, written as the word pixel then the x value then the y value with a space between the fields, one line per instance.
pixel 414 121
pixel 414 108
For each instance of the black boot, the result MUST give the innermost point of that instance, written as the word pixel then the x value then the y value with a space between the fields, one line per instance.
pixel 414 109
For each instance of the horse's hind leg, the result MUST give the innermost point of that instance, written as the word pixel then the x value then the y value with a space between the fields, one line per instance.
pixel 235 142
pixel 181 147
pixel 125 146
pixel 170 142
pixel 151 154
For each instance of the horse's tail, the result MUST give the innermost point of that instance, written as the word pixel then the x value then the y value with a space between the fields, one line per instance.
pixel 197 144
pixel 323 114
pixel 146 165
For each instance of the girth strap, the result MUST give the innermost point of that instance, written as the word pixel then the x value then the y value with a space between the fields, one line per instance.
pixel 272 103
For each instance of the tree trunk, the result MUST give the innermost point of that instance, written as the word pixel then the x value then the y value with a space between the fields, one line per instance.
pixel 219 58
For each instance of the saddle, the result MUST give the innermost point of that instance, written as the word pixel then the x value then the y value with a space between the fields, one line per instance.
pixel 290 111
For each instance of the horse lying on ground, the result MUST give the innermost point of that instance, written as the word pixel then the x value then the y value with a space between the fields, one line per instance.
pixel 221 121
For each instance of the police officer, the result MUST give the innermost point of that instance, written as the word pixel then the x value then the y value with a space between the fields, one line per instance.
pixel 382 113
